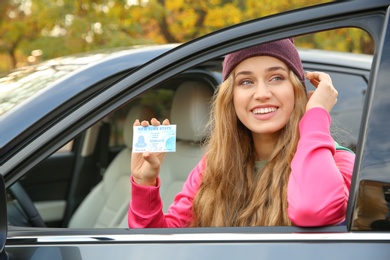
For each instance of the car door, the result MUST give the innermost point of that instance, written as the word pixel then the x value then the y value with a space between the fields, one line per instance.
pixel 58 184
pixel 236 243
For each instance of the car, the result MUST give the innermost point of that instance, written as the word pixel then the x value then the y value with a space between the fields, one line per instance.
pixel 66 136
pixel 54 206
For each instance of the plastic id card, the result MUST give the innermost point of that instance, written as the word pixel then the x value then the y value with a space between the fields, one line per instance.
pixel 154 139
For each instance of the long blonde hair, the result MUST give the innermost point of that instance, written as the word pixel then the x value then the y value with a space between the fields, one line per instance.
pixel 231 193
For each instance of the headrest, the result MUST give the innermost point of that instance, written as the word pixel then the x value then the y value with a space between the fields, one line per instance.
pixel 190 110
pixel 140 112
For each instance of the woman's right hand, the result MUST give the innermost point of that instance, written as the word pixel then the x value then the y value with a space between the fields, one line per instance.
pixel 145 167
pixel 325 94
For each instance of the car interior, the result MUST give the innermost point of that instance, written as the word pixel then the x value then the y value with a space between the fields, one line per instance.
pixel 107 204
pixel 97 191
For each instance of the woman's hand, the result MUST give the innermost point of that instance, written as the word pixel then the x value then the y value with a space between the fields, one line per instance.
pixel 325 95
pixel 145 167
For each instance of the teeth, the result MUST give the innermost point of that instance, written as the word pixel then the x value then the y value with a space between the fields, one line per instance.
pixel 264 110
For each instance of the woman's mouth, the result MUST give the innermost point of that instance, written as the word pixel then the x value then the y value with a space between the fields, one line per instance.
pixel 265 110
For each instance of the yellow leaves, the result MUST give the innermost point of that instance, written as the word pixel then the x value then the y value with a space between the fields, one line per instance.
pixel 185 20
pixel 174 4
pixel 221 17
pixel 345 39
pixel 215 2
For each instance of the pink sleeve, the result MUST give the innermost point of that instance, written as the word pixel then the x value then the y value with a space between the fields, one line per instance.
pixel 145 209
pixel 320 179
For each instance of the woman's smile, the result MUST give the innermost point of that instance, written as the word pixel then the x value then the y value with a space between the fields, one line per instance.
pixel 263 111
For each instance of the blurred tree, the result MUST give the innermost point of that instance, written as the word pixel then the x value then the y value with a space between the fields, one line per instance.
pixel 80 26
pixel 62 27
pixel 183 20
pixel 13 28
pixel 345 39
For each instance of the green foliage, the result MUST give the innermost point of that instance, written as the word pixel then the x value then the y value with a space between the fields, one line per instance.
pixel 62 27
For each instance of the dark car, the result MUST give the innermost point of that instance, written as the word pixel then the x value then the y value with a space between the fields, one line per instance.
pixel 349 71
pixel 66 137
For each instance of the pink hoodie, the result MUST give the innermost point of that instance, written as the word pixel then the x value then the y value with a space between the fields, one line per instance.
pixel 318 187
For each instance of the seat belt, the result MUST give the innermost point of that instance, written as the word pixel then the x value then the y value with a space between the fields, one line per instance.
pixel 103 143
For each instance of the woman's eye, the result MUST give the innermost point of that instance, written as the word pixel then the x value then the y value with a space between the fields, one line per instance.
pixel 246 82
pixel 277 78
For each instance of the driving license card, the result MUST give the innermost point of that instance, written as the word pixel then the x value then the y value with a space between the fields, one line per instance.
pixel 154 138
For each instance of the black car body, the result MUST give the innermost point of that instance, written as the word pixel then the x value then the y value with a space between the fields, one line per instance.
pixel 36 128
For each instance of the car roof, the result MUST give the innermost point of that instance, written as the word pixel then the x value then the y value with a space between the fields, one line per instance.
pixel 336 58
pixel 22 83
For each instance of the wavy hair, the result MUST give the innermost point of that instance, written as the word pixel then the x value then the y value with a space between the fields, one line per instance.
pixel 231 192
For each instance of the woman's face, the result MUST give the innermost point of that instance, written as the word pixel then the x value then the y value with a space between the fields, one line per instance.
pixel 263 94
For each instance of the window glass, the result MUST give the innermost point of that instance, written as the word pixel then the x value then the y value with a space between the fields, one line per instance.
pixel 347 112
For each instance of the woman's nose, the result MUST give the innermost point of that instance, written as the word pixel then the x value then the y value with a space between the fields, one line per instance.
pixel 262 92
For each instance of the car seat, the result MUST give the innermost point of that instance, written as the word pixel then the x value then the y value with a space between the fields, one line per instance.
pixel 190 112
pixel 107 204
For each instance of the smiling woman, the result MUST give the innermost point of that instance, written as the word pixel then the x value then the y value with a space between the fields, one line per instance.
pixel 291 139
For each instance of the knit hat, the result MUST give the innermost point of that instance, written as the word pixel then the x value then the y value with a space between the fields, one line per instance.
pixel 283 50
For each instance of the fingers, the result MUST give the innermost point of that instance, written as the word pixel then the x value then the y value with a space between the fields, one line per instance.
pixel 325 95
pixel 312 78
pixel 136 123
pixel 153 122
pixel 317 77
pixel 321 80
pixel 314 82
pixel 145 123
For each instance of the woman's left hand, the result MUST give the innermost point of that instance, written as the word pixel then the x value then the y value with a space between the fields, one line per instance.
pixel 325 95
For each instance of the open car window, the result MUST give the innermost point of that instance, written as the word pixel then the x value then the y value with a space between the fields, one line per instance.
pixel 88 185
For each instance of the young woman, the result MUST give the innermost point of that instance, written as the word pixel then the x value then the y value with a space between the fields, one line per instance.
pixel 270 160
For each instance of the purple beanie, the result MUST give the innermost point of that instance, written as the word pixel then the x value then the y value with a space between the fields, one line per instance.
pixel 283 50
